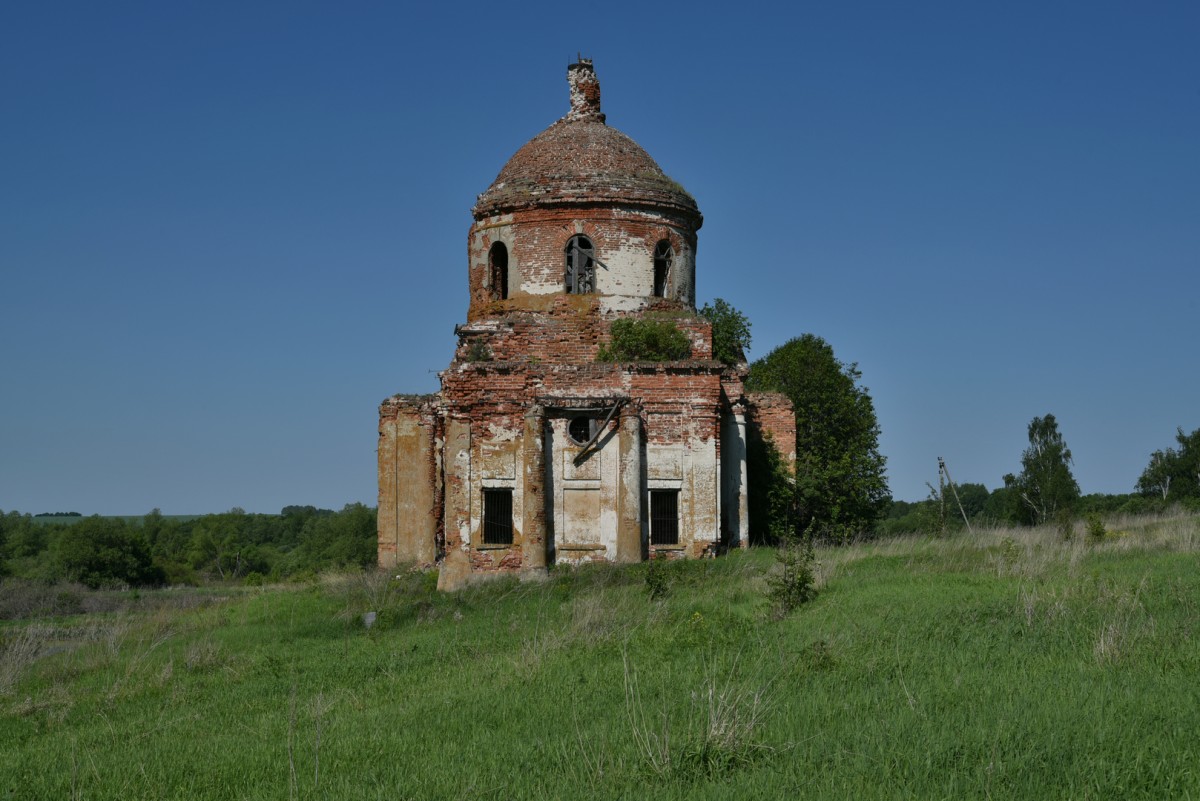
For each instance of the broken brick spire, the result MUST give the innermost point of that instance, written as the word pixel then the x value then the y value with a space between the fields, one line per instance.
pixel 585 92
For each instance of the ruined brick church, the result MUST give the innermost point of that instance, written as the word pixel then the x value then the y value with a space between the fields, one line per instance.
pixel 534 452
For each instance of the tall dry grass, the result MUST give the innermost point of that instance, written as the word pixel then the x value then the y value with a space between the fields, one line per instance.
pixel 1023 551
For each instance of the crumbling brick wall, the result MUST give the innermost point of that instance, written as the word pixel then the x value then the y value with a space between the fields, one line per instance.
pixel 566 329
pixel 410 479
pixel 772 417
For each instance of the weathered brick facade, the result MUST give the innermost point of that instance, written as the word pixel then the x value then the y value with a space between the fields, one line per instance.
pixel 534 452
pixel 771 415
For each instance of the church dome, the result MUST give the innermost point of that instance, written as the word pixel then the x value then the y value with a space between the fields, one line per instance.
pixel 580 160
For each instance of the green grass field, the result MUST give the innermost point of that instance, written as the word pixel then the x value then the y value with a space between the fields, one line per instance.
pixel 1005 664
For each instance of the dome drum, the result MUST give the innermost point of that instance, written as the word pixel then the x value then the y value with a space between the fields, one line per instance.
pixel 624 246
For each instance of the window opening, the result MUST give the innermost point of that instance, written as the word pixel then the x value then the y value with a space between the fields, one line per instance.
pixel 581 266
pixel 664 517
pixel 498 267
pixel 497 517
pixel 580 429
pixel 664 257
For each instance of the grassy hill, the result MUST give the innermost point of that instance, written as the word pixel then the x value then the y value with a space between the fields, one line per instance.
pixel 1006 664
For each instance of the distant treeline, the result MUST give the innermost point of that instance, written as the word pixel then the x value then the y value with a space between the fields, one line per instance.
pixel 156 550
pixel 1045 491
pixel 58 514
pixel 1002 507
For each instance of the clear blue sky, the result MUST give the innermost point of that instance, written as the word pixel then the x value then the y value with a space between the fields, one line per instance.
pixel 229 230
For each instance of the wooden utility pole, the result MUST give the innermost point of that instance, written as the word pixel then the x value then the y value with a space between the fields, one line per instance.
pixel 945 471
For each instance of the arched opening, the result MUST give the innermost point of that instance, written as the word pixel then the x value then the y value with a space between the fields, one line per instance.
pixel 581 266
pixel 664 257
pixel 498 271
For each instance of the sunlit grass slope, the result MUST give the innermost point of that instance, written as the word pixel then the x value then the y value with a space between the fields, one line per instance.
pixel 1004 664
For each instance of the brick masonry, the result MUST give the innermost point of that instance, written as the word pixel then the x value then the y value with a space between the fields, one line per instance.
pixel 526 410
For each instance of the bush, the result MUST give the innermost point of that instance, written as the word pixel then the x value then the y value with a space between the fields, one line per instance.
pixel 1064 522
pixel 657 580
pixel 177 574
pixel 104 551
pixel 636 340
pixel 796 582
pixel 21 599
pixel 479 352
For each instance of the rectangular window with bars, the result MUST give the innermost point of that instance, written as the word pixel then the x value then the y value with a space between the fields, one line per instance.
pixel 664 517
pixel 497 517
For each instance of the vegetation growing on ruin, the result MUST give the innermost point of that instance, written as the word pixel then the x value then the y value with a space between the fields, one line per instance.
pixel 479 352
pixel 1006 664
pixel 645 340
pixel 730 331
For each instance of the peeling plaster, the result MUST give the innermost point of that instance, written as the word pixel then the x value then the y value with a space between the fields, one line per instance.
pixel 525 365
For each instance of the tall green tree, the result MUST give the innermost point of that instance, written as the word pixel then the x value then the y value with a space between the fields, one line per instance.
pixel 98 551
pixel 350 537
pixel 771 493
pixel 730 331
pixel 1045 487
pixel 841 485
pixel 1155 481
pixel 1174 474
pixel 22 537
pixel 973 497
